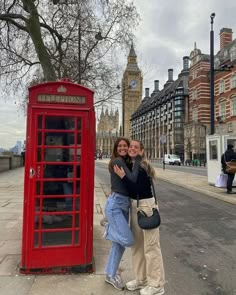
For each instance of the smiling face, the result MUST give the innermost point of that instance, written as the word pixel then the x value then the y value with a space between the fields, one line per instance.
pixel 134 149
pixel 122 148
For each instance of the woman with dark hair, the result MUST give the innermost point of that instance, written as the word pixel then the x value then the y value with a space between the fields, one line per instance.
pixel 117 212
pixel 146 251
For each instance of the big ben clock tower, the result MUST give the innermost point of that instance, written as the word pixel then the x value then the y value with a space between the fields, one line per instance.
pixel 132 84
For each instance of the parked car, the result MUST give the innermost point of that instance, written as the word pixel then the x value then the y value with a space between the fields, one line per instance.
pixel 172 159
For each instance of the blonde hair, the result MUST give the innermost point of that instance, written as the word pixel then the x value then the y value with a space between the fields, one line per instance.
pixel 145 164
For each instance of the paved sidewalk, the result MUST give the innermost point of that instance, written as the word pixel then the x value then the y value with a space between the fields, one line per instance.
pixel 14 283
pixel 196 183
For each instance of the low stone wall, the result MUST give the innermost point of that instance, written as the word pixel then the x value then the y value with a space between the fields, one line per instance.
pixel 10 162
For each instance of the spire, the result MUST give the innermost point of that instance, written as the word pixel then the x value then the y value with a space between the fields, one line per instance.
pixel 195 45
pixel 132 60
pixel 132 51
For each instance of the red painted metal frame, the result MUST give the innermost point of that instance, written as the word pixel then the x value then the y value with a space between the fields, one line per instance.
pixel 62 258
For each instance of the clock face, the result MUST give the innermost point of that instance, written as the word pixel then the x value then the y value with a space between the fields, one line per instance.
pixel 133 84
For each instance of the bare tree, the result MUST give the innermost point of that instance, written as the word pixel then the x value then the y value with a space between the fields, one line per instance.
pixel 47 40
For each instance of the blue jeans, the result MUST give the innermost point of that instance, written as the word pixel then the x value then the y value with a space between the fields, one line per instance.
pixel 117 230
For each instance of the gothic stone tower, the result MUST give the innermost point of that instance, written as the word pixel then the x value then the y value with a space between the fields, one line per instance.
pixel 132 84
pixel 108 122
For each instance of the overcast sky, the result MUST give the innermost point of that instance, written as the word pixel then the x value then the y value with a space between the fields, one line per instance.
pixel 166 33
pixel 169 29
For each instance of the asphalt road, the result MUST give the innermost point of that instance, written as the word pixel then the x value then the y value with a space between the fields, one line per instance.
pixel 198 240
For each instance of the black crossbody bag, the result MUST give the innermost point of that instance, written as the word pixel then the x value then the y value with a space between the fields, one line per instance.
pixel 149 222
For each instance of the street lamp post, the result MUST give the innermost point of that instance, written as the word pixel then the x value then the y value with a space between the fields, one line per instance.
pixel 212 102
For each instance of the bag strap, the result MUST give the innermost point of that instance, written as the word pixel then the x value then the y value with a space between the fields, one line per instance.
pixel 225 159
pixel 153 191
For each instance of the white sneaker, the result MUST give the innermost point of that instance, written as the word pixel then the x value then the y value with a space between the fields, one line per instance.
pixel 152 291
pixel 135 285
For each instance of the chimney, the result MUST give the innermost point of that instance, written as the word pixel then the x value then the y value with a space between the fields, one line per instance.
pixel 170 74
pixel 156 85
pixel 185 63
pixel 146 92
pixel 226 36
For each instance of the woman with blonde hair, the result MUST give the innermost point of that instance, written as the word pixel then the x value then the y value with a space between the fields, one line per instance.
pixel 146 251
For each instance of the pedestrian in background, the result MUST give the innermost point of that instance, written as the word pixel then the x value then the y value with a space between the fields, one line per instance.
pixel 146 251
pixel 228 156
pixel 117 208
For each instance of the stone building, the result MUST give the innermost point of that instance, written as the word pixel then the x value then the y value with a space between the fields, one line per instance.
pixel 159 120
pixel 108 122
pixel 107 131
pixel 198 121
pixel 225 84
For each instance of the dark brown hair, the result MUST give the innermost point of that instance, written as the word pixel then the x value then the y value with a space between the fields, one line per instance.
pixel 114 151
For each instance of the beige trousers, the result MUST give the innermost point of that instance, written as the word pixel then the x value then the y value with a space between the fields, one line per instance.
pixel 146 252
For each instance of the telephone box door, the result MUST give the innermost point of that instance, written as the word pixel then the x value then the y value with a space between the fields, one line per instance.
pixel 57 208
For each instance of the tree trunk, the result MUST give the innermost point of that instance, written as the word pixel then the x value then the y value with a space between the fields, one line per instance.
pixel 35 32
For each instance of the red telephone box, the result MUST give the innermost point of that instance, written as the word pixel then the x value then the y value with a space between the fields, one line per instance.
pixel 59 179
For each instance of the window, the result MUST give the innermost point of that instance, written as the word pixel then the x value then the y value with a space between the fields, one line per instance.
pixel 194 94
pixel 195 114
pixel 213 149
pixel 178 125
pixel 194 74
pixel 222 86
pixel 178 114
pixel 230 127
pixel 202 143
pixel 233 81
pixel 233 106
pixel 222 109
pixel 233 54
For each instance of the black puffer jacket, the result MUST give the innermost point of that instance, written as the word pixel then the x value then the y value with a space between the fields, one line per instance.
pixel 227 157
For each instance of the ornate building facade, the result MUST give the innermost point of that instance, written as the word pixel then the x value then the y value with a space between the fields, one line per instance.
pixel 198 124
pixel 107 131
pixel 225 84
pixel 108 122
pixel 176 119
pixel 108 128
